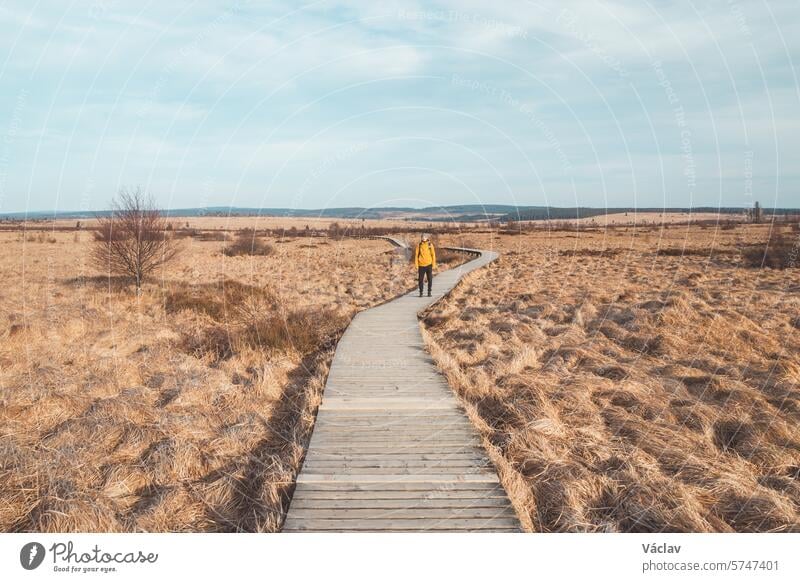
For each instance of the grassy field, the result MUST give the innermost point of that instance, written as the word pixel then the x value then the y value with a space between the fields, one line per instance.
pixel 233 223
pixel 634 379
pixel 629 379
pixel 185 408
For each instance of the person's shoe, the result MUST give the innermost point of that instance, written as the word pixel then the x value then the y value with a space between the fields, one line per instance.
pixel 420 293
pixel 429 294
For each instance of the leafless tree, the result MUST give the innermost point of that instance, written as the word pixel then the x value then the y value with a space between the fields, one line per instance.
pixel 133 240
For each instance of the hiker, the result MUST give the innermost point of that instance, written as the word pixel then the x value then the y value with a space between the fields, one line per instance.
pixel 425 259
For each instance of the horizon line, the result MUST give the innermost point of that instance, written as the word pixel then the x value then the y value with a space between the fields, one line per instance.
pixel 510 207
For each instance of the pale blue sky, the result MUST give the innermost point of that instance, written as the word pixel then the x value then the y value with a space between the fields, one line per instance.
pixel 349 103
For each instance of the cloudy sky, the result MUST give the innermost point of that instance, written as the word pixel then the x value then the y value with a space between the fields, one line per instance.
pixel 355 103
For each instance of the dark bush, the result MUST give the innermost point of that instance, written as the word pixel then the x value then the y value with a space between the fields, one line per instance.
pixel 215 341
pixel 186 232
pixel 214 235
pixel 218 300
pixel 304 330
pixel 681 251
pixel 779 252
pixel 451 258
pixel 591 252
pixel 251 317
pixel 248 244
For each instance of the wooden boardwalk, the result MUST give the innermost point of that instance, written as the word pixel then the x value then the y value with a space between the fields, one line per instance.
pixel 392 450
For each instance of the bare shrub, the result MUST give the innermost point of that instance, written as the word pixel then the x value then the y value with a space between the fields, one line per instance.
pixel 132 240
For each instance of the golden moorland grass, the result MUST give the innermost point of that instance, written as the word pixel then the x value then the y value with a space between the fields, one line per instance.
pixel 624 380
pixel 633 379
pixel 185 408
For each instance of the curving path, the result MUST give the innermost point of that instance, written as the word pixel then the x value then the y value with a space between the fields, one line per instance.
pixel 392 450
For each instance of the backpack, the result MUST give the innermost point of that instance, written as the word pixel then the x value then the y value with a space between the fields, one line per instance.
pixel 419 247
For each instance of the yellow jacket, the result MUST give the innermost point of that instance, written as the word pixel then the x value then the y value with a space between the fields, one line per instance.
pixel 425 254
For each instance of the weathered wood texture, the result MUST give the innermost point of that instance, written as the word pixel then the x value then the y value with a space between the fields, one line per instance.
pixel 392 450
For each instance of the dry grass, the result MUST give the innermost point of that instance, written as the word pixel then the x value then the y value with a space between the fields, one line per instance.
pixel 623 389
pixel 619 388
pixel 186 408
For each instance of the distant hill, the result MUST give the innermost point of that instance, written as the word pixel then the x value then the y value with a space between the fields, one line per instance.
pixel 459 213
pixel 555 213
pixel 573 213
pixel 434 212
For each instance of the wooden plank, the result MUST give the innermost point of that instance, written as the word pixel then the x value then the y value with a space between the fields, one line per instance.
pixel 389 444
pixel 433 480
pixel 396 436
pixel 382 408
pixel 427 416
pixel 378 425
pixel 464 512
pixel 391 463
pixel 349 447
pixel 411 498
pixel 419 496
pixel 387 440
pixel 399 503
pixel 413 418
pixel 393 457
pixel 394 474
pixel 507 530
pixel 393 429
pixel 400 472
pixel 397 442
pixel 343 429
pixel 398 486
pixel 384 405
pixel 421 524
pixel 372 469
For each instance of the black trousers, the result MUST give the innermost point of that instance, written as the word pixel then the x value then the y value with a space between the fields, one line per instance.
pixel 425 272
